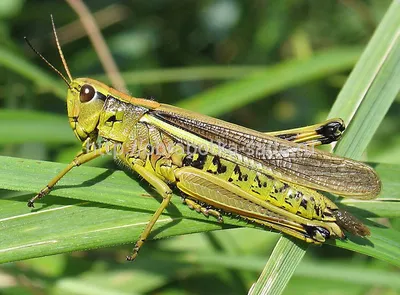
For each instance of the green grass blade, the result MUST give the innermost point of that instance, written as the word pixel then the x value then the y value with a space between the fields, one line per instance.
pixel 356 273
pixel 21 126
pixel 60 225
pixel 384 243
pixel 286 256
pixel 233 95
pixel 375 81
pixel 371 209
pixel 166 75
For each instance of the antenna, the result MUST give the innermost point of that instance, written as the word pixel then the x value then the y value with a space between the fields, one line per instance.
pixel 48 63
pixel 59 49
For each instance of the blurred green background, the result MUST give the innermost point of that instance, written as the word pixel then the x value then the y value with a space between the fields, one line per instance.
pixel 207 56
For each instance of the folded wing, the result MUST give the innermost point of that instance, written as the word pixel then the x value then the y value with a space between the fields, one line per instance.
pixel 289 161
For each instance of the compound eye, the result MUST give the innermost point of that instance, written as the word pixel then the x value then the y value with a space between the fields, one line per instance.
pixel 87 93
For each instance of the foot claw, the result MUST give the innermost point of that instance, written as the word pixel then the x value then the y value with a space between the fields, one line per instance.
pixel 132 257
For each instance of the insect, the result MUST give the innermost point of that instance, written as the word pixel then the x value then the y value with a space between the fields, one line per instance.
pixel 271 179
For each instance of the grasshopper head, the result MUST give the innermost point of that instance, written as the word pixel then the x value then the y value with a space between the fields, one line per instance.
pixel 85 101
pixel 85 97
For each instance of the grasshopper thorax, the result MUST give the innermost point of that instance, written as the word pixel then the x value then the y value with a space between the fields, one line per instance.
pixel 85 101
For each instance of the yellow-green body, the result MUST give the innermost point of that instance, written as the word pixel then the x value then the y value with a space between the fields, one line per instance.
pixel 201 156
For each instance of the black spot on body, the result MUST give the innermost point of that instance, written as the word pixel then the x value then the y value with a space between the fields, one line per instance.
pixel 287 202
pixel 220 167
pixel 112 118
pixel 216 161
pixel 273 197
pixel 303 203
pixel 237 171
pixel 269 177
pixel 298 195
pixel 199 162
pixel 258 181
pixel 284 187
pixel 187 161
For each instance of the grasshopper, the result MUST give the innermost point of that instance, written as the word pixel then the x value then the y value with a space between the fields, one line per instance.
pixel 270 179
